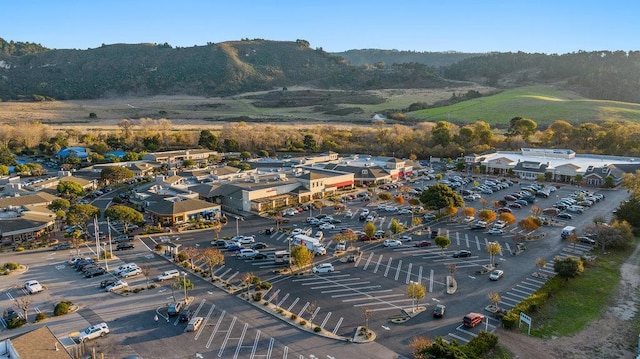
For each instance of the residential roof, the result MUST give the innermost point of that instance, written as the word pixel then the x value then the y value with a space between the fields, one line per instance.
pixel 39 343
pixel 167 207
pixel 39 198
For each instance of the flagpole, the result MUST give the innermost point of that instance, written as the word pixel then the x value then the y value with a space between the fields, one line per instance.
pixel 95 233
pixel 106 262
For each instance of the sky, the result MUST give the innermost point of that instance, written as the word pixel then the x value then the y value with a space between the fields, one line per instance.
pixel 478 26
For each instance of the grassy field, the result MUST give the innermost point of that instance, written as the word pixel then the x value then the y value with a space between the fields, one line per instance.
pixel 581 300
pixel 543 104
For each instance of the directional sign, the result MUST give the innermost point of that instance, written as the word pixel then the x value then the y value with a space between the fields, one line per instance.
pixel 472 277
pixel 199 356
pixel 435 300
pixel 386 328
pixel 162 290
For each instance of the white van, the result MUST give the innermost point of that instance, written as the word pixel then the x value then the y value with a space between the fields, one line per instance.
pixel 170 274
pixel 567 231
pixel 124 267
pixel 194 324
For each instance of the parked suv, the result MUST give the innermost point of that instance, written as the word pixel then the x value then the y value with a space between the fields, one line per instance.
pixel 174 308
pixel 94 331
pixel 472 319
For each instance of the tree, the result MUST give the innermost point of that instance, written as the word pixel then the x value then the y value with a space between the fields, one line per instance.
pixel 568 267
pixel 59 204
pixel 211 257
pixel 245 155
pixel 522 127
pixel 348 236
pixel 451 268
pixel 191 253
pixel 188 163
pixel 573 239
pixel 116 174
pixel 70 189
pixel 124 215
pixel 396 227
pixel 301 256
pixel 217 228
pixel 441 133
pixel 469 211
pixel 493 248
pixel 208 140
pixel 442 242
pixel 76 241
pixel 541 262
pixel 416 291
pixel 399 200
pixel 508 218
pixel 529 224
pixel 440 196
pixel 495 299
pixel 81 214
pixel 247 279
pixel 184 284
pixel 369 229
pixel 536 210
pixel 487 215
pixel 629 211
pixel 23 303
pixel 385 196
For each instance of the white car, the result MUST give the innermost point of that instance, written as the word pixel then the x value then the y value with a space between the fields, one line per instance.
pixel 342 245
pixel 245 239
pixel 94 331
pixel 500 224
pixel 495 231
pixel 248 253
pixel 116 286
pixel 392 243
pixel 170 274
pixel 32 286
pixel 405 239
pixel 297 231
pixel 323 268
pixel 496 274
pixel 130 272
pixel 327 226
pixel 404 211
pixel 391 208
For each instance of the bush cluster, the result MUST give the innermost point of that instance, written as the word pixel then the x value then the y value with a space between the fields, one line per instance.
pixel 62 308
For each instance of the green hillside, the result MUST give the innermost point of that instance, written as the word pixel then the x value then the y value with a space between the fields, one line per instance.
pixel 544 104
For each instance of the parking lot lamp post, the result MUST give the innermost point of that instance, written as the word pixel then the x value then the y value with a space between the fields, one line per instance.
pixel 237 228
pixel 184 284
pixel 289 242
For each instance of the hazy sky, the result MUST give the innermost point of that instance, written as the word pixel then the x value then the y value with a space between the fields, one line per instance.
pixel 546 26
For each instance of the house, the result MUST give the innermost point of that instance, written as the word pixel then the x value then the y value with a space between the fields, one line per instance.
pixel 25 219
pixel 35 344
pixel 79 152
pixel 171 211
pixel 176 158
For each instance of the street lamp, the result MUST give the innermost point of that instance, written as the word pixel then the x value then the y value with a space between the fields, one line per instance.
pixel 237 228
pixel 184 284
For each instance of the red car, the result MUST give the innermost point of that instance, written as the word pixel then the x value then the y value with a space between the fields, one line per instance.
pixel 423 244
pixel 515 205
pixel 509 198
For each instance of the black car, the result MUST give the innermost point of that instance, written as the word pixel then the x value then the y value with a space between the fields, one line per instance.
pixel 270 230
pixel 461 253
pixel 438 311
pixel 123 246
pixel 107 282
pixel 564 215
pixel 185 315
pixel 259 245
pixel 259 256
pixel 61 246
pixel 95 272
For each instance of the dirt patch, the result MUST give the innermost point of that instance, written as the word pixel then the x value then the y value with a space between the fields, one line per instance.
pixel 609 337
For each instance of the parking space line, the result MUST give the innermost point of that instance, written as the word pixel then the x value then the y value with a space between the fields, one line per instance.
pixel 409 273
pixel 219 269
pixel 368 260
pixel 333 285
pixel 270 349
pixel 234 274
pixel 420 274
pixel 459 338
pixel 431 281
pixel 239 346
pixel 304 307
pixel 255 344
pixel 533 289
pixel 386 270
pixel 325 320
pixel 292 304
pixel 466 237
pixel 370 297
pixel 458 238
pixel 282 300
pixel 398 269
pixel 226 338
pixel 367 293
pixel 335 330
pixel 349 289
pixel 477 242
pixel 313 315
pixel 375 270
pixel 206 319
pixel 275 294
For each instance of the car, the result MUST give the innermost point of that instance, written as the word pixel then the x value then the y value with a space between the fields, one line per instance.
pixel 247 253
pixel 220 243
pixel 61 246
pixel 575 209
pixel 245 239
pixel 404 211
pixel 94 331
pixel 260 256
pixel 438 310
pixel 423 244
pixel 174 308
pixel 130 272
pixel 586 240
pixel 521 202
pixel 327 226
pixel 117 285
pixel 124 246
pixel 515 205
pixel 472 319
pixel 504 210
pixel 95 272
pixel 496 274
pixel 33 286
pixel 405 238
pixel 259 245
pixel 123 238
pixel 495 231
pixel 170 274
pixel 500 224
pixel 479 225
pixel 323 268
pixel 461 253
pixel 341 246
pixel 392 243
pixel 107 282
pixel 234 247
pixel 185 315
pixel 564 215
pixel 429 217
pixel 509 198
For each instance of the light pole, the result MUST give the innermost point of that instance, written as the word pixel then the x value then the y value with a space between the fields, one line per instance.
pixel 289 242
pixel 238 218
pixel 184 284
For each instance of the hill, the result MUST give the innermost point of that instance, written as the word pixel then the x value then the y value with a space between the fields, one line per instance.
pixel 377 57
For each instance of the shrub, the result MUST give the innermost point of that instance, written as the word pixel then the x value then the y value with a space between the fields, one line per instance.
pixel 16 323
pixel 265 285
pixel 257 297
pixel 19 249
pixel 303 322
pixel 137 290
pixel 159 247
pixel 181 257
pixel 294 317
pixel 317 329
pixel 62 308
pixel 11 266
pixel 41 316
pixel 256 280
pixel 481 344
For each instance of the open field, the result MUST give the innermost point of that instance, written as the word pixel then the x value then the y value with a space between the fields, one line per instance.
pixel 544 104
